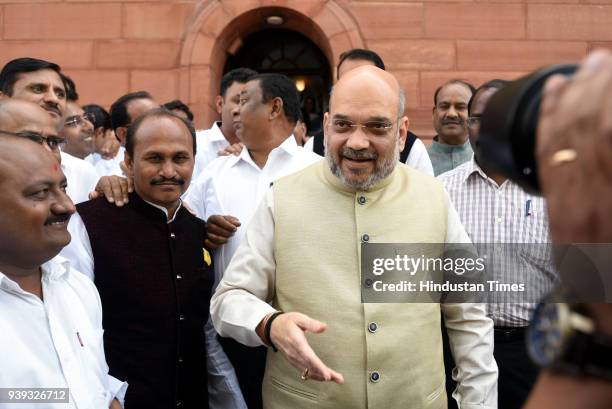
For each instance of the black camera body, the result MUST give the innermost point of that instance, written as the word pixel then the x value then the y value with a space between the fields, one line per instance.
pixel 508 127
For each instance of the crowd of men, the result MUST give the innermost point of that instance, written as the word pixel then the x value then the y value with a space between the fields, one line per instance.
pixel 144 264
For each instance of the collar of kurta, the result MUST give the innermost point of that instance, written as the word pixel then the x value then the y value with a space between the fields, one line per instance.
pixel 441 147
pixel 52 270
pixel 337 184
pixel 289 146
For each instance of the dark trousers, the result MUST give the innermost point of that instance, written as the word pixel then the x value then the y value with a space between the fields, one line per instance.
pixel 517 374
pixel 249 364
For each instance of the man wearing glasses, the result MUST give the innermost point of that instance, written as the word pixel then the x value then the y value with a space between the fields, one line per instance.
pixel 300 254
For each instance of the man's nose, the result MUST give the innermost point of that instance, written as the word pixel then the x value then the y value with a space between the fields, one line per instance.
pixel 168 169
pixel 51 97
pixel 358 140
pixel 452 112
pixel 63 204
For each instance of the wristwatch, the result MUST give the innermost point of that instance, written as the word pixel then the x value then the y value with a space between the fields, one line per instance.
pixel 562 337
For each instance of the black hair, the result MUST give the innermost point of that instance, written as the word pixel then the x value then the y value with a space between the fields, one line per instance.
pixel 101 118
pixel 280 86
pixel 495 83
pixel 118 111
pixel 71 92
pixel 239 75
pixel 155 113
pixel 180 105
pixel 455 81
pixel 10 73
pixel 360 54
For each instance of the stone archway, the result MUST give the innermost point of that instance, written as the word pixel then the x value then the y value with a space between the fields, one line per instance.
pixel 218 26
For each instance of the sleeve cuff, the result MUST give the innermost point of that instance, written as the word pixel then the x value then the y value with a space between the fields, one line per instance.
pixel 117 390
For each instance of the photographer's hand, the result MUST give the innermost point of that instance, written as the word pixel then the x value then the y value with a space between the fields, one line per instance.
pixel 574 152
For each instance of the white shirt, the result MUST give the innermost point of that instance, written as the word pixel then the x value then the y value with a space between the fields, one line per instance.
pixel 208 143
pixel 81 176
pixel 110 167
pixel 56 342
pixel 243 299
pixel 418 157
pixel 234 185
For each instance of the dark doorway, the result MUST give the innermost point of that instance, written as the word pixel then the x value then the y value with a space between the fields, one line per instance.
pixel 294 55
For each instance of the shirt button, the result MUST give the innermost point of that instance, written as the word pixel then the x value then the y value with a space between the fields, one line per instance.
pixel 499 220
pixel 179 404
pixel 172 236
pixel 179 277
pixel 180 360
pixel 362 200
pixel 375 376
pixel 368 282
pixel 373 327
pixel 181 317
pixel 365 238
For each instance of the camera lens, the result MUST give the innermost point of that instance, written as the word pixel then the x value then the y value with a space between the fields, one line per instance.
pixel 508 127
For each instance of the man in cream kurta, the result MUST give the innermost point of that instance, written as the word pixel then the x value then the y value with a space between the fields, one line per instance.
pixel 300 255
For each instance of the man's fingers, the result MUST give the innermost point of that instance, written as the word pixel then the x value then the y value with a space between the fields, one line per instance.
pixel 216 238
pixel 310 325
pixel 228 223
pixel 317 369
pixel 210 245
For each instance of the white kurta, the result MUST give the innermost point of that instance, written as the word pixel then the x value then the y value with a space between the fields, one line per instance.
pixel 208 143
pixel 81 176
pixel 56 342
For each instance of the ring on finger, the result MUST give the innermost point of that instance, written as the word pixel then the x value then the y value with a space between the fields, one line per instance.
pixel 563 156
pixel 305 374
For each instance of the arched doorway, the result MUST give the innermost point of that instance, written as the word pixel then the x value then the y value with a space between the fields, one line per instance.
pixel 290 53
pixel 220 27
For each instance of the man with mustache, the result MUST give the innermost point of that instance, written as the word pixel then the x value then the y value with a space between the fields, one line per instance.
pixel 300 259
pixel 227 194
pixel 151 268
pixel 51 321
pixel 451 147
pixel 43 83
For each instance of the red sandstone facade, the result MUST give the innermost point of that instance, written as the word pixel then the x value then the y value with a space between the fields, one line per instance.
pixel 177 48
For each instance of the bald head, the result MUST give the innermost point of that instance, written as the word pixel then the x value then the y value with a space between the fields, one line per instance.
pixel 19 116
pixel 369 84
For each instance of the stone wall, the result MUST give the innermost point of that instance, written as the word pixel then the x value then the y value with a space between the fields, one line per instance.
pixel 176 48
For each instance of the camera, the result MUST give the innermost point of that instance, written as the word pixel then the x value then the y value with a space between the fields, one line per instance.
pixel 508 127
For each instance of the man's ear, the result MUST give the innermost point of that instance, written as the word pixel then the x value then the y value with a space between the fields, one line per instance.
pixel 325 124
pixel 219 103
pixel 277 108
pixel 404 123
pixel 121 134
pixel 129 164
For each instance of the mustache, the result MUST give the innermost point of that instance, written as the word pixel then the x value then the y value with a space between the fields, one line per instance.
pixel 453 121
pixel 351 153
pixel 53 107
pixel 57 218
pixel 168 181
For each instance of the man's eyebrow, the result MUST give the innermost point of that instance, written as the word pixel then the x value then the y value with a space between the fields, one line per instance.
pixel 378 119
pixel 340 116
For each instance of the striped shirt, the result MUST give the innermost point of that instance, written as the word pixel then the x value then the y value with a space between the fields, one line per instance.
pixel 511 227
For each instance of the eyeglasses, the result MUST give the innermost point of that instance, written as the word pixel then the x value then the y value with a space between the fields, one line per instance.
pixel 53 142
pixel 377 128
pixel 77 120
pixel 474 120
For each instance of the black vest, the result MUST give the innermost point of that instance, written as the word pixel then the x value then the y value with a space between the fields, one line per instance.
pixel 155 288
